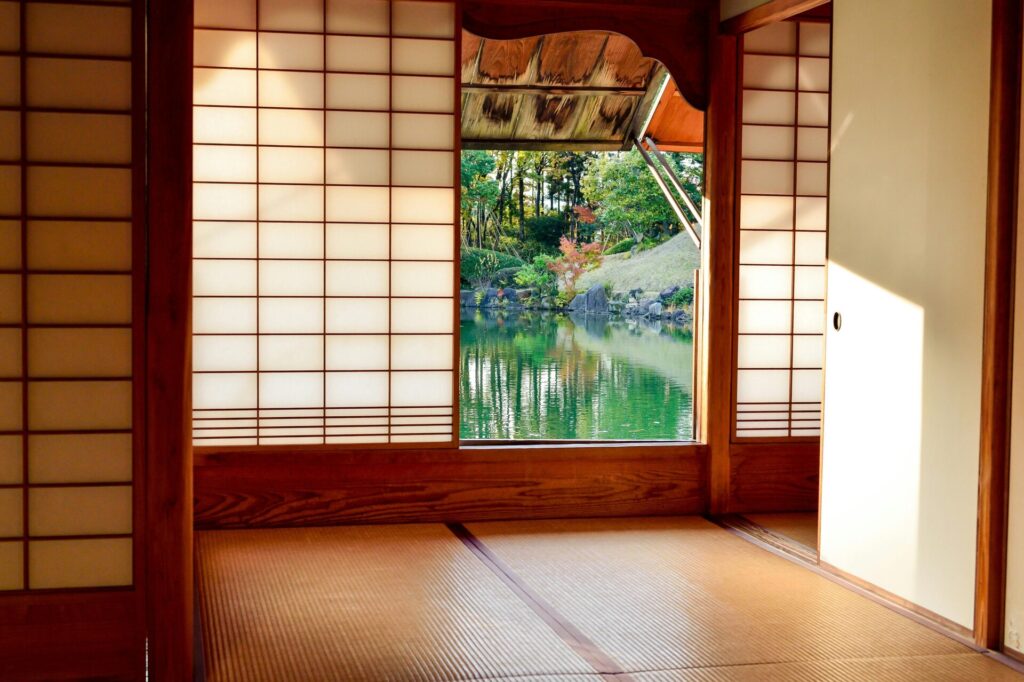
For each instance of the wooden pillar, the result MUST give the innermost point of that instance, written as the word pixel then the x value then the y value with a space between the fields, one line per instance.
pixel 997 343
pixel 168 342
pixel 718 295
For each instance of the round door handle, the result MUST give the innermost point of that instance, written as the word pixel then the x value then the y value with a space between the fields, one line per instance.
pixel 837 321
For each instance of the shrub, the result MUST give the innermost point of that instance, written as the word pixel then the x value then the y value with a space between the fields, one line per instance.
pixel 575 260
pixel 682 298
pixel 538 275
pixel 620 247
pixel 480 265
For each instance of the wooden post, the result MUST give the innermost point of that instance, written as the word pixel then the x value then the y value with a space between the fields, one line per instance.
pixel 168 472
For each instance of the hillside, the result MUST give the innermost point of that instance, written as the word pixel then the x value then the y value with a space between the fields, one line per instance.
pixel 663 266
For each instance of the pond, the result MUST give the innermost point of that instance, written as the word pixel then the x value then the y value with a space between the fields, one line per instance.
pixel 542 375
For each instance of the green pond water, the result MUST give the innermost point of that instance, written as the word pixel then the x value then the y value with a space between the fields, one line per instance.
pixel 548 376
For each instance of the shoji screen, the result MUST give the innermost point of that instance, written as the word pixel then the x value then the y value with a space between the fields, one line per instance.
pixel 782 229
pixel 324 204
pixel 66 295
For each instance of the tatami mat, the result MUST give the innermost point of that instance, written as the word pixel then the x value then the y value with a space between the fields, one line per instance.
pixel 657 594
pixel 800 527
pixel 661 600
pixel 365 603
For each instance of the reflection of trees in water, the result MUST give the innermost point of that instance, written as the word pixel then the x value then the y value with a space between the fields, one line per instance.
pixel 537 375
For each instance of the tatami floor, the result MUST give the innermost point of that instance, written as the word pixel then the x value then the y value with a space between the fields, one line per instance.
pixel 648 600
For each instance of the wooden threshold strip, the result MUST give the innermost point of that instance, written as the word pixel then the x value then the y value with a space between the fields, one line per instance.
pixel 580 644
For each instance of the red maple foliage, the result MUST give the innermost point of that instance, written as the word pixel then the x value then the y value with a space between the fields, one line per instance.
pixel 574 261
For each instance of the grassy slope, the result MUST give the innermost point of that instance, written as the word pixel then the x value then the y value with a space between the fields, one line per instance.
pixel 653 270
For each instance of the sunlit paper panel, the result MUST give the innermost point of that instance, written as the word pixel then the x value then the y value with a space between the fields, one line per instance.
pixel 764 351
pixel 778 108
pixel 762 385
pixel 812 144
pixel 766 282
pixel 769 72
pixel 814 74
pixel 331 196
pixel 766 247
pixel 768 142
pixel 815 39
pixel 421 352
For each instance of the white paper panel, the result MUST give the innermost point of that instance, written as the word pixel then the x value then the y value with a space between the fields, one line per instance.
pixel 80 458
pixel 94 510
pixel 421 315
pixel 291 89
pixel 772 73
pixel 224 125
pixel 769 107
pixel 812 179
pixel 766 247
pixel 423 57
pixel 291 15
pixel 234 49
pixel 429 19
pixel 422 205
pixel 763 351
pixel 812 144
pixel 79 405
pixel 423 131
pixel 813 109
pixel 355 241
pixel 355 91
pixel 807 385
pixel 429 278
pixel 69 352
pixel 811 213
pixel 757 281
pixel 290 51
pixel 291 240
pixel 433 169
pixel 808 351
pixel 224 353
pixel 80 138
pixel 224 278
pixel 357 129
pixel 291 389
pixel 764 317
pixel 361 17
pixel 809 317
pixel 357 389
pixel 762 385
pixel 358 53
pixel 767 177
pixel 422 242
pixel 422 93
pixel 223 163
pixel 223 315
pixel 810 248
pixel 809 282
pixel 358 204
pixel 225 13
pixel 357 167
pixel 814 74
pixel 291 278
pixel 291 316
pixel 421 352
pixel 291 202
pixel 224 86
pixel 103 299
pixel 777 38
pixel 357 278
pixel 295 127
pixel 223 202
pixel 815 39
pixel 767 142
pixel 284 164
pixel 223 391
pixel 105 562
pixel 358 352
pixel 357 316
pixel 421 388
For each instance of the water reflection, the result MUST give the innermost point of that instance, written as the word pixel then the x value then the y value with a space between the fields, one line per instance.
pixel 533 375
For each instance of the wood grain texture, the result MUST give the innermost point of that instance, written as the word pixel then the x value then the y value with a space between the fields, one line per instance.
pixel 65 635
pixel 675 125
pixel 997 338
pixel 774 477
pixel 168 337
pixel 253 489
pixel 768 13
pixel 676 34
pixel 718 293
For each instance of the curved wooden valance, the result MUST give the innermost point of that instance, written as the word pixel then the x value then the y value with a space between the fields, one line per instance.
pixel 675 32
